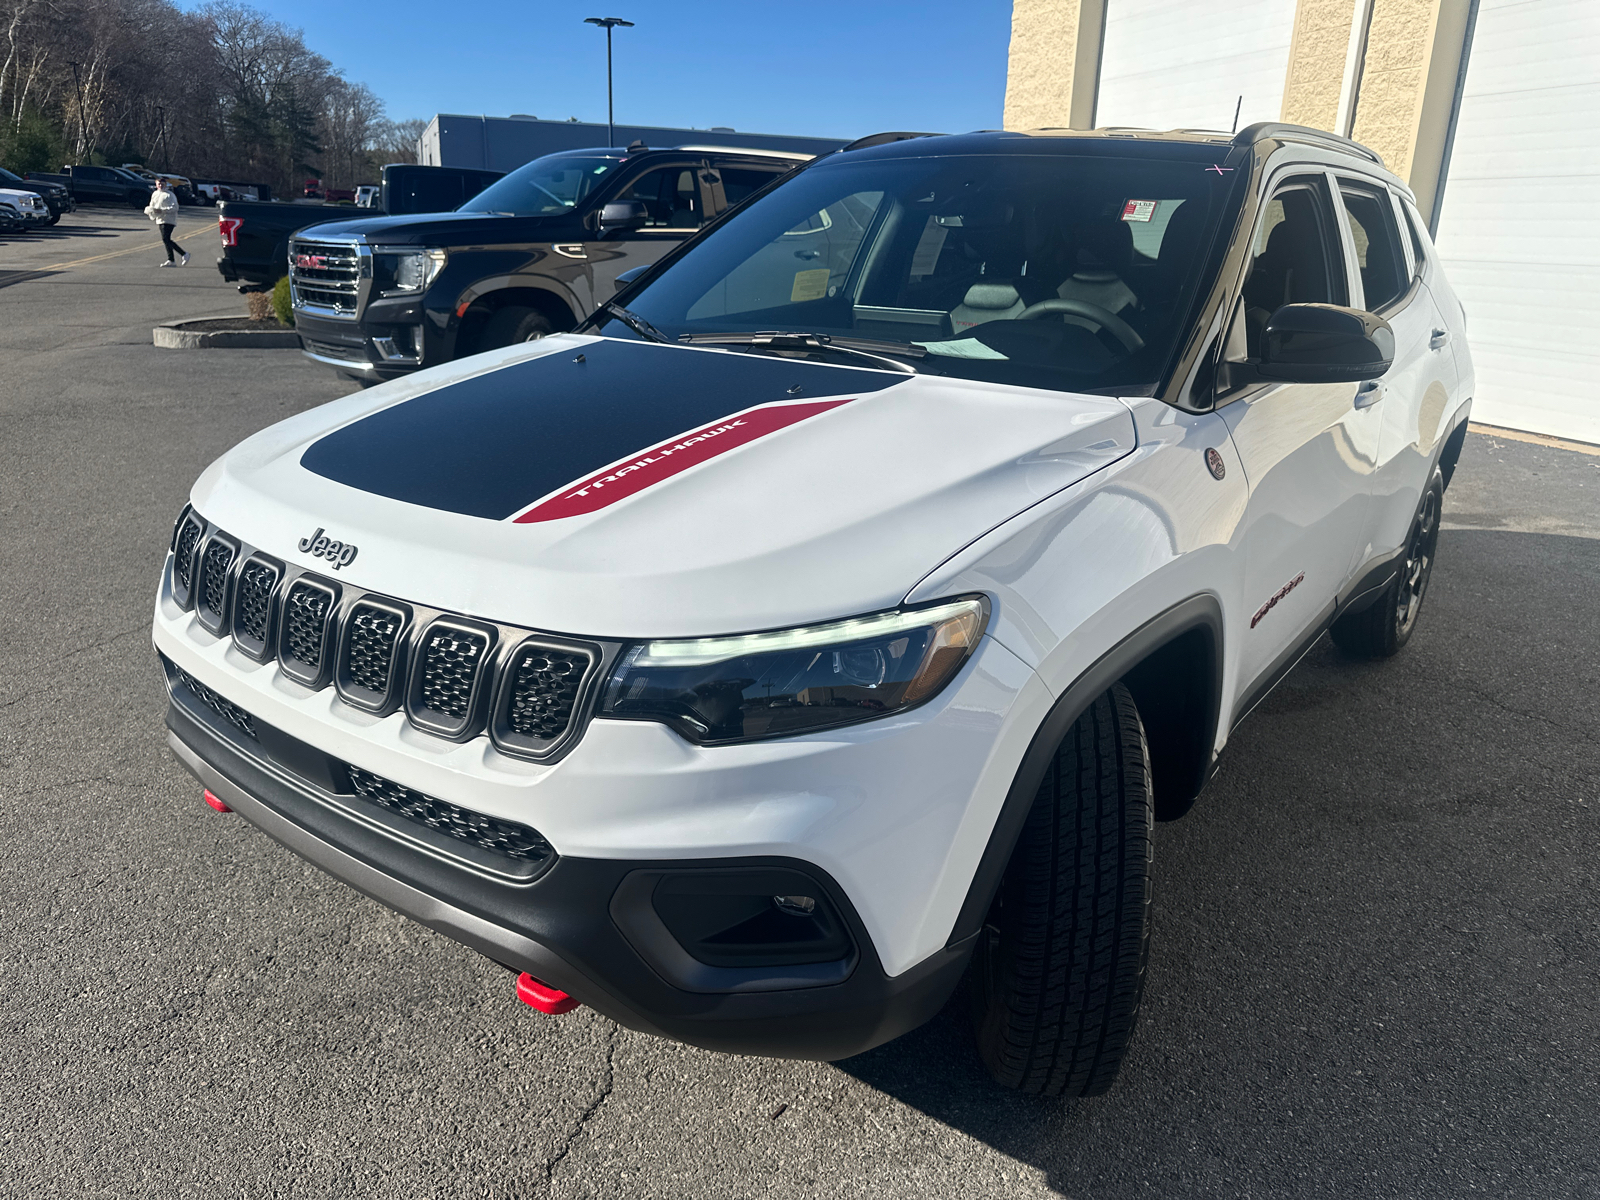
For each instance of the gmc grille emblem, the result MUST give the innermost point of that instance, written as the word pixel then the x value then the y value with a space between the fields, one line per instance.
pixel 340 554
pixel 311 262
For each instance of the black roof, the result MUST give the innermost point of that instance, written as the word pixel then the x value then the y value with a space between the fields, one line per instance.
pixel 1169 143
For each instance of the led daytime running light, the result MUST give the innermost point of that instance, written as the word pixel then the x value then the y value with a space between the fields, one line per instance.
pixel 693 652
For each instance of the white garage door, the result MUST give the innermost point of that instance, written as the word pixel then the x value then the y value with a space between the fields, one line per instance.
pixel 1183 64
pixel 1518 229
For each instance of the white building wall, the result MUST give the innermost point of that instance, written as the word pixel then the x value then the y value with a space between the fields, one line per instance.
pixel 1518 230
pixel 1174 64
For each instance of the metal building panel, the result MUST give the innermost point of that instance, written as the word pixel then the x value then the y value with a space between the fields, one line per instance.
pixel 1517 232
pixel 1170 64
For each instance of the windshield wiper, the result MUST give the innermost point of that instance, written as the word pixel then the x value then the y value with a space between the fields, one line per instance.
pixel 636 323
pixel 774 340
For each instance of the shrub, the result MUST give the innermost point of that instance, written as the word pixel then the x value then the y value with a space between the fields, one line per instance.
pixel 280 302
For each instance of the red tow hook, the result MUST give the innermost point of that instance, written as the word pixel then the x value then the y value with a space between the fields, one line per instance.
pixel 215 803
pixel 543 997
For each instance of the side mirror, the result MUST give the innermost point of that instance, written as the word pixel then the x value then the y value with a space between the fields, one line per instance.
pixel 624 214
pixel 1324 343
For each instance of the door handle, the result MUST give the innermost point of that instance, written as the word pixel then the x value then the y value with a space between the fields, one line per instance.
pixel 1369 393
pixel 1439 338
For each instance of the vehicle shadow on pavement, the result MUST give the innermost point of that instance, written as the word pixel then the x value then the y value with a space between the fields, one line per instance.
pixel 1375 936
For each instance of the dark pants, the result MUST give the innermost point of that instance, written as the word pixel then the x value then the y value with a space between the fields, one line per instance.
pixel 166 240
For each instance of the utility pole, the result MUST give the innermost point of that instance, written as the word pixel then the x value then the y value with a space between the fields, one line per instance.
pixel 608 24
pixel 83 129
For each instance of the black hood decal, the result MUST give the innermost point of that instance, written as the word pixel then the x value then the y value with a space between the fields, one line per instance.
pixel 492 445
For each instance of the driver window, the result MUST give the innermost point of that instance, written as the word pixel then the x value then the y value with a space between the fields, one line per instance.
pixel 1295 258
pixel 670 195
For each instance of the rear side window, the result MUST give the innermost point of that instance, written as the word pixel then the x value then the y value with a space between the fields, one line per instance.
pixel 1419 236
pixel 739 182
pixel 1377 244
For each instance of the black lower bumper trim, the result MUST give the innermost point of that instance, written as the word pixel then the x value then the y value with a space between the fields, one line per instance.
pixel 561 927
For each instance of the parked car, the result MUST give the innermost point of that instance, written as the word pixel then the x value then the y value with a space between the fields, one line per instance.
pixel 531 255
pixel 830 616
pixel 182 186
pixel 255 236
pixel 214 191
pixel 27 208
pixel 369 195
pixel 100 185
pixel 56 197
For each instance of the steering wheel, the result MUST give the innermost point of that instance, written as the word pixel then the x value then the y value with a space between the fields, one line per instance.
pixel 1107 320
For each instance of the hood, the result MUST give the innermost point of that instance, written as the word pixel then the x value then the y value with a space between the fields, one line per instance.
pixel 608 488
pixel 449 228
pixel 18 198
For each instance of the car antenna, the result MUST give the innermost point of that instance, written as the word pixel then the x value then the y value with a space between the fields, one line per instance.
pixel 637 145
pixel 1236 109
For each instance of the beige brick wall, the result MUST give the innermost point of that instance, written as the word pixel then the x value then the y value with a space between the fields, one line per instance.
pixel 1389 105
pixel 1055 50
pixel 1316 62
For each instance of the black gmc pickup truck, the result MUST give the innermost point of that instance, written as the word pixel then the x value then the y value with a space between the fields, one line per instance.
pixel 256 233
pixel 533 254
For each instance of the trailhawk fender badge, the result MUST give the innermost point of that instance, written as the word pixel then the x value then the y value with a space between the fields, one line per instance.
pixel 1279 595
pixel 660 462
pixel 340 554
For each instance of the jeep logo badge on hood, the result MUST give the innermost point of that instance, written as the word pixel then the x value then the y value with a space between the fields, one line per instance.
pixel 340 554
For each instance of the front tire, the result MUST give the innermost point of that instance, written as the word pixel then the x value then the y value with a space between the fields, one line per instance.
pixel 1379 630
pixel 515 324
pixel 1059 969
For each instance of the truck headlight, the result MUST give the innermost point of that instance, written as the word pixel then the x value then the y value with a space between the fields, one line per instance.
pixel 405 271
pixel 764 685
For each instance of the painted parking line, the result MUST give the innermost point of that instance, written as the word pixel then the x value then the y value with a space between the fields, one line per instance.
pixel 142 246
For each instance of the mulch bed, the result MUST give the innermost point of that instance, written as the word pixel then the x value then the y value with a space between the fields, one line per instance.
pixel 234 325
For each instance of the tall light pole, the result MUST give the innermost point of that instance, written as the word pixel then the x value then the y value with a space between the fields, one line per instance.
pixel 608 24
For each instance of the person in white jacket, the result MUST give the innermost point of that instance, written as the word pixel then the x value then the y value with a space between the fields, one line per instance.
pixel 163 210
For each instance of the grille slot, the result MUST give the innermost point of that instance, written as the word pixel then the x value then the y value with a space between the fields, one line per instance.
pixel 221 705
pixel 211 581
pixel 303 636
pixel 541 689
pixel 370 661
pixel 447 676
pixel 505 838
pixel 252 606
pixel 183 552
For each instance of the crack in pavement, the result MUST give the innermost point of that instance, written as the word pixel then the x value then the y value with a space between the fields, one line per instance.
pixel 606 1087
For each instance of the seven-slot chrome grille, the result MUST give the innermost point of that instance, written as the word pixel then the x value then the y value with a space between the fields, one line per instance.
pixel 326 276
pixel 454 676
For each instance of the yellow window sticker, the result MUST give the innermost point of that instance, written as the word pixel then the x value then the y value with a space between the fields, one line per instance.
pixel 809 285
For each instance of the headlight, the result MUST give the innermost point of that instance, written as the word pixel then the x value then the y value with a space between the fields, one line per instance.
pixel 763 685
pixel 403 271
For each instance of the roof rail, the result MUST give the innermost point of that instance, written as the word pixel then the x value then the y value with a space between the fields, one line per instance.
pixel 883 139
pixel 1284 132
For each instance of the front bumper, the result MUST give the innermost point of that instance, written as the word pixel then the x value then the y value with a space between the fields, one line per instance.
pixel 368 348
pixel 567 926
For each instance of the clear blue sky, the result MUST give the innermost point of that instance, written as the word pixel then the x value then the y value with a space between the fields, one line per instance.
pixel 826 67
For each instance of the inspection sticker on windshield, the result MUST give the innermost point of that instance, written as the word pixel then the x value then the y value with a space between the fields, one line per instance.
pixel 1139 210
pixel 809 285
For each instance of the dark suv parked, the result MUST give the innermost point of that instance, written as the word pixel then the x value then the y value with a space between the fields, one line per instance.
pixel 55 196
pixel 530 255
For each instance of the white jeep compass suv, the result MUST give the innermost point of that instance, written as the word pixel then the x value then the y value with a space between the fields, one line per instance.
pixel 829 618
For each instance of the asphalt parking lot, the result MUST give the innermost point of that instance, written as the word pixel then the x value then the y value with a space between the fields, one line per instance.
pixel 1376 937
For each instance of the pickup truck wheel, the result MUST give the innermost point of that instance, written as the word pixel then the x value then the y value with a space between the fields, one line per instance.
pixel 54 218
pixel 1379 630
pixel 1060 964
pixel 514 324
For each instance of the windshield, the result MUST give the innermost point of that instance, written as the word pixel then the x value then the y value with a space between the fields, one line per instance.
pixel 7 177
pixel 1055 271
pixel 547 186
